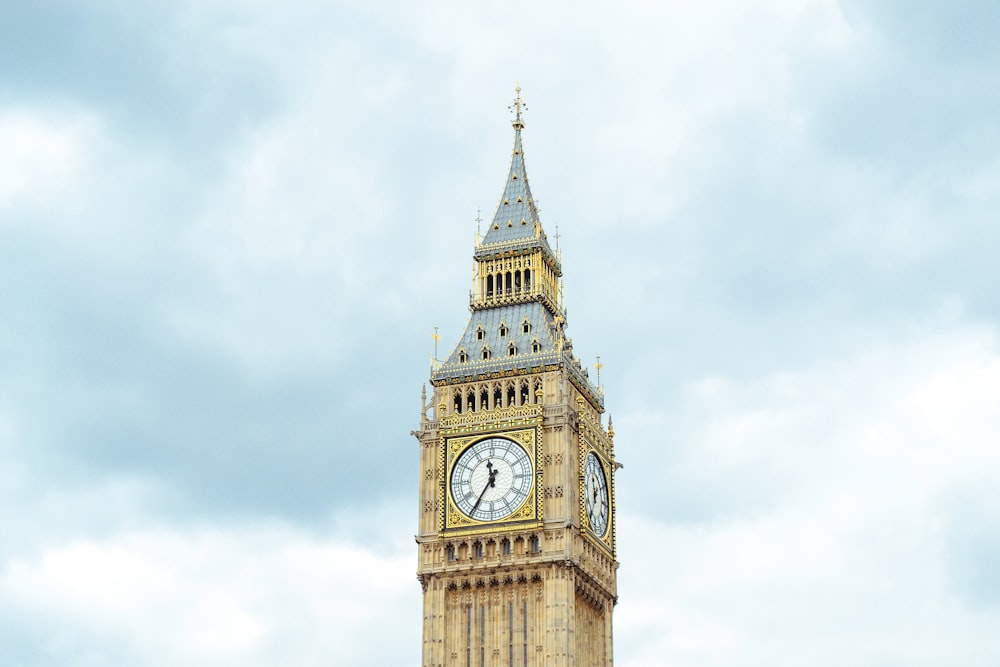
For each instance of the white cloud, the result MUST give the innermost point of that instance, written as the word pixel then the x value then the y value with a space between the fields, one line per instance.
pixel 260 595
pixel 833 495
pixel 44 155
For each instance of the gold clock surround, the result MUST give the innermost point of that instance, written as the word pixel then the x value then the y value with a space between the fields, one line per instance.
pixel 452 520
pixel 593 440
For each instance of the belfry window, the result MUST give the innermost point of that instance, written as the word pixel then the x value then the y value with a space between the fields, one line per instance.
pixel 489 285
pixel 471 402
pixel 527 280
pixel 497 396
pixel 458 402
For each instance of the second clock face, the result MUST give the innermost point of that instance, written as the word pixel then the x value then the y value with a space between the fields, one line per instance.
pixel 595 486
pixel 491 479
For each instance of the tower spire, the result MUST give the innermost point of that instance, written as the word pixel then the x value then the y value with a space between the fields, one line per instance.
pixel 516 216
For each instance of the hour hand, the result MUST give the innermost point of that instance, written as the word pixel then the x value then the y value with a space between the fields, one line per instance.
pixel 491 482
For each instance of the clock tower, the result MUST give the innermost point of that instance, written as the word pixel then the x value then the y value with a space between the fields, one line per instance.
pixel 516 539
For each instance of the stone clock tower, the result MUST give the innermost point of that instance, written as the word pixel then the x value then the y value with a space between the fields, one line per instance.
pixel 517 498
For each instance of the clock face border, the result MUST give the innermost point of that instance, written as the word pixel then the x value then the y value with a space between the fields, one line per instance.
pixel 453 520
pixel 607 539
pixel 490 487
pixel 591 460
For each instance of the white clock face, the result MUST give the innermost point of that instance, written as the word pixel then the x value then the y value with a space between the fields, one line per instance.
pixel 595 486
pixel 491 479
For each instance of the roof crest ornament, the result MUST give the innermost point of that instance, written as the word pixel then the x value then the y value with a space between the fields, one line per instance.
pixel 517 107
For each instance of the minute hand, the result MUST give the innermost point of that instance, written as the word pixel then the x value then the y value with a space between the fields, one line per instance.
pixel 491 482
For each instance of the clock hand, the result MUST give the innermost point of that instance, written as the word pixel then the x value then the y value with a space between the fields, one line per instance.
pixel 492 482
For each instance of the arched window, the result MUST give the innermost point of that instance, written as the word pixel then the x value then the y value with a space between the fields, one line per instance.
pixel 489 285
pixel 497 396
pixel 535 398
pixel 484 399
pixel 511 394
pixel 458 402
pixel 527 280
pixel 524 393
pixel 471 402
pixel 507 283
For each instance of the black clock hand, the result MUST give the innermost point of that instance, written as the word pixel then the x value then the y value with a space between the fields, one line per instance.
pixel 492 482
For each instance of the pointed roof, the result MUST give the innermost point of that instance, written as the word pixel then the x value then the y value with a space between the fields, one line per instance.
pixel 523 337
pixel 516 217
pixel 516 214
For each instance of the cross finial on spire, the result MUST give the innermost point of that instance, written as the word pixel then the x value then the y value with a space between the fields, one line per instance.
pixel 517 107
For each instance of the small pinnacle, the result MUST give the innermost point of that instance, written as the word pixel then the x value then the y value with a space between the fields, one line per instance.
pixel 517 107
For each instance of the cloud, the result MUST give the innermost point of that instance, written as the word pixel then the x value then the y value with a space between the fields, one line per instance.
pixel 215 595
pixel 228 229
pixel 784 513
pixel 43 157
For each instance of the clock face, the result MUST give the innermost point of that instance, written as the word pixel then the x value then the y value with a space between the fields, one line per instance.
pixel 491 479
pixel 595 486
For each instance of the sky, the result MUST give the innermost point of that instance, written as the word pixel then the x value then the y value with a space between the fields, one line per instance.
pixel 228 230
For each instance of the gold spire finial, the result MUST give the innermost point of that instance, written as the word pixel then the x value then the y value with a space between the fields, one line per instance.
pixel 517 107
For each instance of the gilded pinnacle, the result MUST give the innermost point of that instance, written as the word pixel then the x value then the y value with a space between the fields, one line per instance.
pixel 517 107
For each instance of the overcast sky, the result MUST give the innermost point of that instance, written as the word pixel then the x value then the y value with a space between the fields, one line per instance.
pixel 228 229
